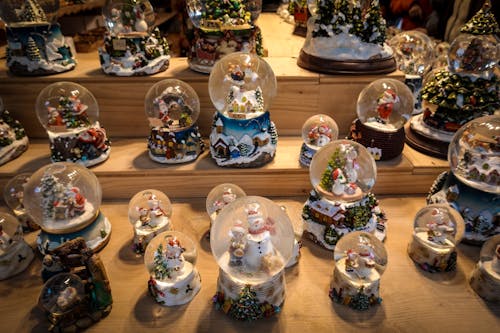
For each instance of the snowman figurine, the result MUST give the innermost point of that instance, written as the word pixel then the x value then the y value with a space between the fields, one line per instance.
pixel 259 248
pixel 174 260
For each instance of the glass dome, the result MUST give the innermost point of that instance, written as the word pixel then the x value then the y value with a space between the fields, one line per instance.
pixel 220 196
pixel 473 54
pixel 222 15
pixel 16 13
pixel 66 107
pixel 385 105
pixel 343 170
pixel 490 252
pixel 474 154
pixel 167 251
pixel 252 239
pixel 242 85
pixel 172 103
pixel 413 51
pixel 63 197
pixel 62 293
pixel 149 207
pixel 362 255
pixel 10 232
pixel 439 225
pixel 319 130
pixel 128 18
pixel 13 192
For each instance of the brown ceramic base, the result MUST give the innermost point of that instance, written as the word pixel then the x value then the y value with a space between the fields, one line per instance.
pixel 374 66
pixel 391 144
pixel 426 145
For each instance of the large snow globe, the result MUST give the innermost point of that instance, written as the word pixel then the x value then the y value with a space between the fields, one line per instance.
pixel 69 113
pixel 437 230
pixel 360 260
pixel 170 259
pixel 466 89
pixel 472 186
pixel 35 44
pixel 342 174
pixel 383 107
pixel 64 200
pixel 219 197
pixel 414 54
pixel 317 131
pixel 241 87
pixel 13 195
pixel 132 46
pixel 15 254
pixel 13 139
pixel 149 212
pixel 222 28
pixel 172 107
pixel 251 240
pixel 485 278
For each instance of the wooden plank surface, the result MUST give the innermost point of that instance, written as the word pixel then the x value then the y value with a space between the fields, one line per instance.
pixel 413 301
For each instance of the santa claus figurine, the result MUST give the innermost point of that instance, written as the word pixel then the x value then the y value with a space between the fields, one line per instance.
pixel 385 105
pixel 77 201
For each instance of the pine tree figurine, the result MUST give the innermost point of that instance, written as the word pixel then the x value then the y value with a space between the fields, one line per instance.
pixel 32 50
pixel 32 12
pixel 482 23
pixel 374 24
pixel 48 190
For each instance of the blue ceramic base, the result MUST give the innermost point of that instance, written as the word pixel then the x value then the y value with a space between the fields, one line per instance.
pixel 174 147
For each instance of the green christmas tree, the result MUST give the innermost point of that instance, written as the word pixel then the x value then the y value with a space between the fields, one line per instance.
pixel 247 306
pixel 360 301
pixel 32 12
pixel 331 236
pixel 374 24
pixel 160 270
pixel 482 23
pixel 226 12
pixel 331 16
pixel 337 161
pixel 32 50
pixel 48 189
pixel 356 19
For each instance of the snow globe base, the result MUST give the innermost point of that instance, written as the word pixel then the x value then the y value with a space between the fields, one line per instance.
pixel 426 143
pixel 382 145
pixel 306 154
pixel 326 221
pixel 12 151
pixel 175 147
pixel 356 295
pixel 361 67
pixel 479 209
pixel 38 50
pixel 96 235
pixel 180 290
pixel 297 244
pixel 429 258
pixel 15 260
pixel 485 281
pixel 260 300
pixel 144 234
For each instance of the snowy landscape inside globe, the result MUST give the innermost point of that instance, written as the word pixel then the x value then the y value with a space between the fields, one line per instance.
pixel 413 51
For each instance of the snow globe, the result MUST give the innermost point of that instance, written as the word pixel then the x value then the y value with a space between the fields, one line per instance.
pixel 346 37
pixel 383 108
pixel 172 107
pixel 170 260
pixel 485 278
pixel 13 196
pixel 437 230
pixel 317 131
pixel 222 28
pixel 219 197
pixel 13 139
pixel 298 231
pixel 241 87
pixel 35 44
pixel 77 291
pixel 69 113
pixel 149 212
pixel 15 254
pixel 472 186
pixel 64 199
pixel 342 174
pixel 360 260
pixel 466 89
pixel 414 54
pixel 132 46
pixel 251 240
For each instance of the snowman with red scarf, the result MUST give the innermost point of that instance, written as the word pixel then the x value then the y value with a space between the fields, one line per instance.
pixel 259 244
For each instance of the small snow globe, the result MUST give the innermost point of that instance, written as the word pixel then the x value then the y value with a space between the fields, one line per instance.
pixel 437 230
pixel 222 28
pixel 172 107
pixel 13 139
pixel 64 200
pixel 485 278
pixel 15 254
pixel 383 107
pixel 13 195
pixel 342 174
pixel 170 259
pixel 241 87
pixel 360 260
pixel 252 241
pixel 69 113
pixel 149 212
pixel 132 46
pixel 62 294
pixel 317 131
pixel 219 197
pixel 298 230
pixel 35 44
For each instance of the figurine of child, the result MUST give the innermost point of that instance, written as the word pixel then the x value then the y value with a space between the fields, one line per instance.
pixel 361 262
pixel 339 182
pixel 227 197
pixel 174 260
pixel 155 211
pixel 439 227
pixel 237 246
pixel 259 248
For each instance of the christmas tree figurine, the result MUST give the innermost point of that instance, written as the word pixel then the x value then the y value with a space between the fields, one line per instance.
pixel 346 36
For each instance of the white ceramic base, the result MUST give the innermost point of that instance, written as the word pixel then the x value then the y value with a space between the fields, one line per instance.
pixel 15 260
